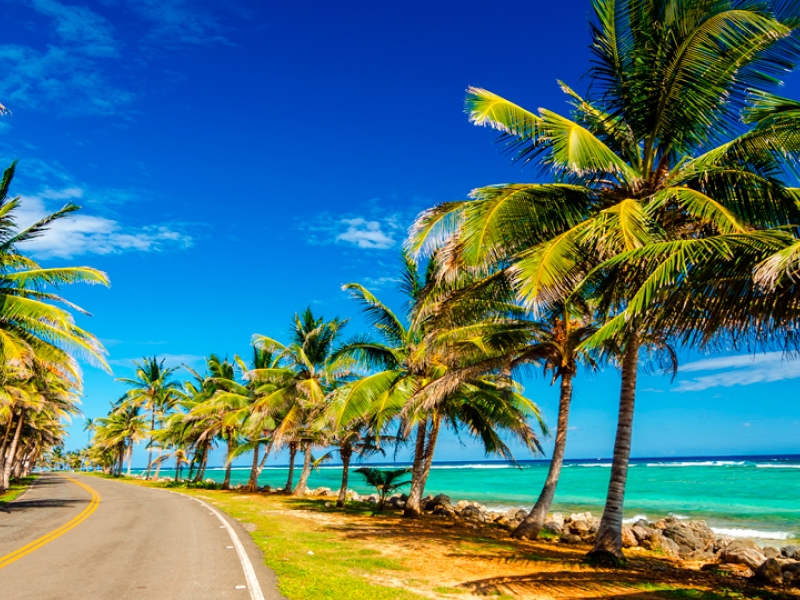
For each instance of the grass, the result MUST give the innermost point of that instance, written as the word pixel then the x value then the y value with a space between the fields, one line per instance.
pixel 669 592
pixel 312 563
pixel 16 489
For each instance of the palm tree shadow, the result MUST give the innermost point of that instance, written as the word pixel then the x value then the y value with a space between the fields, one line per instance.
pixel 25 505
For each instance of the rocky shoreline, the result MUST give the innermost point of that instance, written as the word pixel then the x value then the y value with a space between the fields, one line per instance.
pixel 685 540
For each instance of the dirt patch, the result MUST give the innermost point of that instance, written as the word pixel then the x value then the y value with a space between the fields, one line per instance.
pixel 476 561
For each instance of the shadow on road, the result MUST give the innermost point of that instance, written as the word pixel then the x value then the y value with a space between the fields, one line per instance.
pixel 25 505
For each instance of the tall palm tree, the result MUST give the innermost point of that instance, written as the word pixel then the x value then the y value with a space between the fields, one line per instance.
pixel 309 371
pixel 639 165
pixel 427 383
pixel 153 389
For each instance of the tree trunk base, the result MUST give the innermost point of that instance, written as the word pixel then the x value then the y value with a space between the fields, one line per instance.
pixel 411 513
pixel 527 530
pixel 606 558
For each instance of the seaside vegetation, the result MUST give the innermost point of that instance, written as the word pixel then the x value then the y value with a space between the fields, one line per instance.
pixel 664 218
pixel 40 344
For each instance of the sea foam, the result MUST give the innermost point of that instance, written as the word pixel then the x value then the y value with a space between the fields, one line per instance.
pixel 752 533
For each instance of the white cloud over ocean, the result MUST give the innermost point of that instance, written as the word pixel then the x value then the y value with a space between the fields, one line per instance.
pixel 739 370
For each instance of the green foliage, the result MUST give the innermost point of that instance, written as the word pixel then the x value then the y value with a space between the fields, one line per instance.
pixel 385 481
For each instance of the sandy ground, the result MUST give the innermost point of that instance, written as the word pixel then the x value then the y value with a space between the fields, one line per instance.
pixel 474 561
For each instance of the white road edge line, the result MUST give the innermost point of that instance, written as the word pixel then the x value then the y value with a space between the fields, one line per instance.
pixel 249 574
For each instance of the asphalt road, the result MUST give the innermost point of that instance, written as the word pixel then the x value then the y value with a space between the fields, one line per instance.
pixel 135 543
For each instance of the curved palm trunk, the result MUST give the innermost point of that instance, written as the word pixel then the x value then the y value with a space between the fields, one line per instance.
pixel 292 453
pixel 120 458
pixel 4 445
pixel 300 490
pixel 226 485
pixel 12 450
pixel 150 451
pixel 130 458
pixel 532 525
pixel 418 480
pixel 608 545
pixel 252 483
pixel 346 451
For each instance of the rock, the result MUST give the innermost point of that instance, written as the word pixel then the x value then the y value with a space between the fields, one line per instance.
pixel 462 504
pixel 771 552
pixel 440 501
pixel 442 511
pixel 569 538
pixel 352 495
pixel 472 513
pixel 670 548
pixel 310 553
pixel 791 552
pixel 584 516
pixel 770 572
pixel 628 538
pixel 580 527
pixel 553 526
pixel 721 543
pixel 791 567
pixel 743 556
pixel 322 491
pixel 694 538
pixel 642 532
pixel 791 578
pixel 328 504
pixel 556 519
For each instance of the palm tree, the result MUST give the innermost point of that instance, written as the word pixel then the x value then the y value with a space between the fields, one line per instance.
pixel 428 383
pixel 384 481
pixel 309 371
pixel 154 390
pixel 636 168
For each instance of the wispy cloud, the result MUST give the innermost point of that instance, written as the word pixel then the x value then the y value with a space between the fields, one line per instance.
pixel 58 79
pixel 81 234
pixel 377 283
pixel 739 370
pixel 82 29
pixel 78 64
pixel 179 22
pixel 371 227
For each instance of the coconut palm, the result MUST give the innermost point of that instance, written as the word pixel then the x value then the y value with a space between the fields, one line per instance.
pixel 428 383
pixel 308 372
pixel 153 389
pixel 638 164
pixel 384 481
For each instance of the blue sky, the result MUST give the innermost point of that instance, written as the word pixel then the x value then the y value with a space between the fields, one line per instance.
pixel 238 161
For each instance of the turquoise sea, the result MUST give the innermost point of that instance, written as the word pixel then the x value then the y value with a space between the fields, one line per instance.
pixel 741 496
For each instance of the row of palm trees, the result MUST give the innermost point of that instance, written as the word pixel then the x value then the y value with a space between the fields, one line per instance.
pixel 360 396
pixel 665 217
pixel 40 380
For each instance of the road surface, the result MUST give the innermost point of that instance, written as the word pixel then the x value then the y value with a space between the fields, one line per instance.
pixel 80 538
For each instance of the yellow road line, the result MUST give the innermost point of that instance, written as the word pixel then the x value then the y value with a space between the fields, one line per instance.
pixel 46 539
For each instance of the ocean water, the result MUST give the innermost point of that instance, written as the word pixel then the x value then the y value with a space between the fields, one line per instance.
pixel 740 496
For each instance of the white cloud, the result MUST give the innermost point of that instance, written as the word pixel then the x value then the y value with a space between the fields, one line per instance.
pixel 77 25
pixel 366 234
pixel 376 283
pixel 739 370
pixel 80 234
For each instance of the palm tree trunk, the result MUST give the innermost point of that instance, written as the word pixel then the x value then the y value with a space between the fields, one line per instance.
pixel 252 483
pixel 150 450
pixel 300 490
pixel 226 485
pixel 12 450
pixel 608 545
pixel 292 453
pixel 532 525
pixel 416 468
pixel 120 458
pixel 177 469
pixel 413 508
pixel 346 451
pixel 4 445
pixel 130 458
